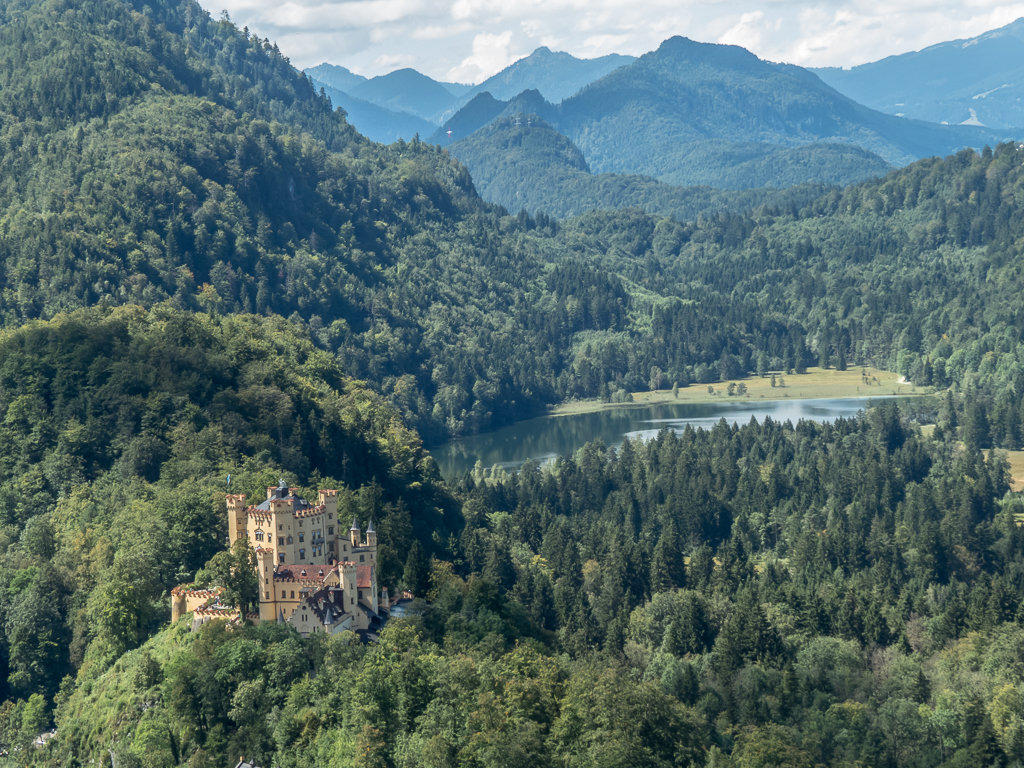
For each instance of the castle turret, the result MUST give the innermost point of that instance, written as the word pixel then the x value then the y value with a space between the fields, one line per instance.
pixel 237 521
pixel 347 574
pixel 265 579
pixel 371 535
pixel 277 491
pixel 329 501
pixel 353 533
pixel 179 605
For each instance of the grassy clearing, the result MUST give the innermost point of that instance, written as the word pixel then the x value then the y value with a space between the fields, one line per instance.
pixel 1016 459
pixel 815 383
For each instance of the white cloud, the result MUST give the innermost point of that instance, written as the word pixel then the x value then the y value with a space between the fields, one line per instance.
pixel 748 31
pixel 491 53
pixel 472 39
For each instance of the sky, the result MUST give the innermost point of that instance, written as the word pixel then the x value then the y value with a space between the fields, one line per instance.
pixel 469 40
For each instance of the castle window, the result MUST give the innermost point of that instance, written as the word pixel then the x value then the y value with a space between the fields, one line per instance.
pixel 280 526
pixel 330 516
pixel 283 594
pixel 302 537
pixel 280 539
pixel 289 539
pixel 259 535
pixel 362 558
pixel 302 554
pixel 281 556
pixel 293 594
pixel 266 595
pixel 330 530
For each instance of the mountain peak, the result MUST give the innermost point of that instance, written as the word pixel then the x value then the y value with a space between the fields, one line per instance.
pixel 685 49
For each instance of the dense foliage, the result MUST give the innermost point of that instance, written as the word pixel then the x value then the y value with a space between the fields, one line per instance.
pixel 119 431
pixel 214 176
pixel 762 595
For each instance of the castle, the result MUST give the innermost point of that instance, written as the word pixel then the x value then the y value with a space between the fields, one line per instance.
pixel 309 574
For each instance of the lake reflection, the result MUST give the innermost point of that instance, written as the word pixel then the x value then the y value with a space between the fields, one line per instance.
pixel 544 439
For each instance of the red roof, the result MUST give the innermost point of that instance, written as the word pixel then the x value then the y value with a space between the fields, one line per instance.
pixel 364 576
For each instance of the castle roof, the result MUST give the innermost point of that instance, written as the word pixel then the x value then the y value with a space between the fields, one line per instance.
pixel 364 576
pixel 327 604
pixel 306 574
pixel 283 493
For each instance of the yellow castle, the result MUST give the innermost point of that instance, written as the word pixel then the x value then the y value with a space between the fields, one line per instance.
pixel 310 575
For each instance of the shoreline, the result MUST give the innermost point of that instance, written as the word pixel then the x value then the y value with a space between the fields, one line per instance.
pixel 816 383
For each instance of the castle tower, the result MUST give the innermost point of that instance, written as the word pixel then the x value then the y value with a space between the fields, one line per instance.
pixel 329 500
pixel 237 518
pixel 371 536
pixel 353 533
pixel 347 573
pixel 265 580
pixel 179 605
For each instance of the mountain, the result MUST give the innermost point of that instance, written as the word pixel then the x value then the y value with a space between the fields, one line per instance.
pixel 555 74
pixel 375 122
pixel 484 108
pixel 695 113
pixel 406 92
pixel 973 81
pixel 335 76
pixel 478 112
pixel 521 162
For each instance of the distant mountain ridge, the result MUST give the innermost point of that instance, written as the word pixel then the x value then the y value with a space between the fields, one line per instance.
pixel 375 122
pixel 696 113
pixel 554 74
pixel 979 80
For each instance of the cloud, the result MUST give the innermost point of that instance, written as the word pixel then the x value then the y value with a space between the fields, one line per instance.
pixel 748 31
pixel 491 53
pixel 473 39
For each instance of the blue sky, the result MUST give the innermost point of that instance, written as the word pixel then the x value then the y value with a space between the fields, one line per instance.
pixel 469 40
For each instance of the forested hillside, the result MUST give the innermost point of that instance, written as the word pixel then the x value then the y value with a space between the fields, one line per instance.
pixel 463 316
pixel 521 162
pixel 120 430
pixel 764 595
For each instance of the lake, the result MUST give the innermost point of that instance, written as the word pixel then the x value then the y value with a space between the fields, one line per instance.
pixel 548 437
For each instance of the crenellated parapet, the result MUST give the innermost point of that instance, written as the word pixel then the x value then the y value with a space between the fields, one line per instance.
pixel 187 598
